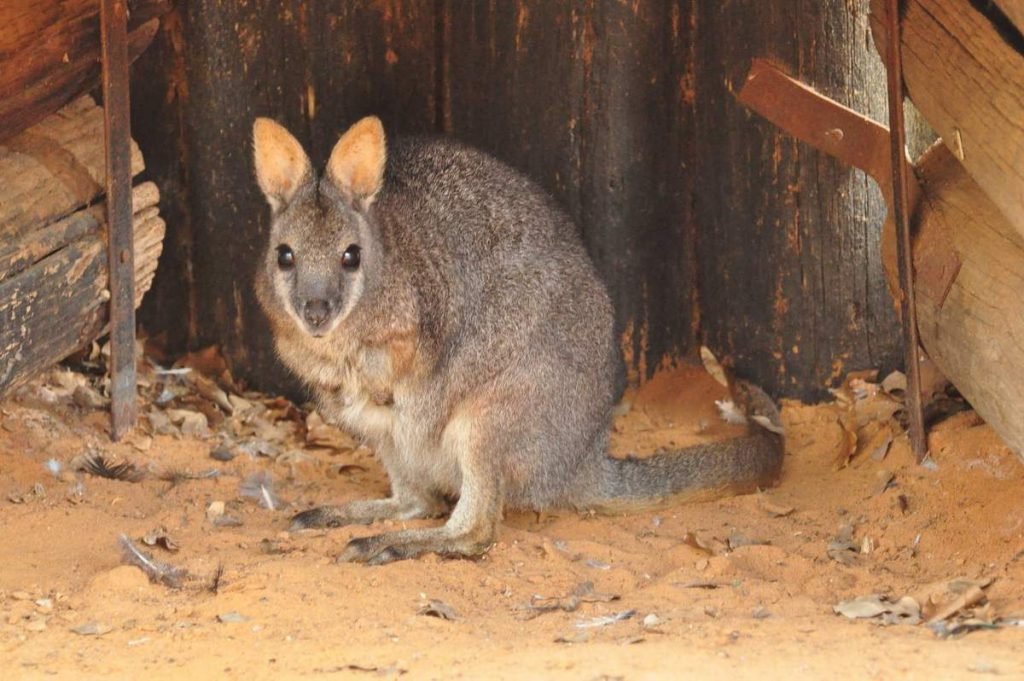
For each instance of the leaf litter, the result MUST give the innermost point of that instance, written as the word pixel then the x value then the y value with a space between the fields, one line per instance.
pixel 949 608
pixel 583 593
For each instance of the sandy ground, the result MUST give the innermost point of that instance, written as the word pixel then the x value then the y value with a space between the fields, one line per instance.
pixel 740 588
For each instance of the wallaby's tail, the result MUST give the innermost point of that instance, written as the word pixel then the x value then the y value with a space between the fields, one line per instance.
pixel 703 471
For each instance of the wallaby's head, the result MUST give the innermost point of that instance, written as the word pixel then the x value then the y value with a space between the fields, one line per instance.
pixel 321 246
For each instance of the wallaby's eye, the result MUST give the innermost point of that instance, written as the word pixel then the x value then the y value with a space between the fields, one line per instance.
pixel 350 259
pixel 285 257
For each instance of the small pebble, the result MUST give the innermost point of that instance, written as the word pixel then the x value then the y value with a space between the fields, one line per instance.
pixel 91 629
pixel 215 510
pixel 232 617
pixel 651 621
pixel 222 454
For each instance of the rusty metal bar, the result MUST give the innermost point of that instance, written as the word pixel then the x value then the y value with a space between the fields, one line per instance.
pixel 120 246
pixel 901 213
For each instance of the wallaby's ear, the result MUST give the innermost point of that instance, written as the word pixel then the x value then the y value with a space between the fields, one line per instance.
pixel 357 161
pixel 282 166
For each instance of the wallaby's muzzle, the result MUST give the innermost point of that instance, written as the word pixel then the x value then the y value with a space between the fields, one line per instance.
pixel 317 314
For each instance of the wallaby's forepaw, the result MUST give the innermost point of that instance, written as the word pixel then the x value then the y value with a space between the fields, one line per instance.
pixel 321 516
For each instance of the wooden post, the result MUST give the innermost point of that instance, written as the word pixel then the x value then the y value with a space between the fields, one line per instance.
pixel 120 248
pixel 901 208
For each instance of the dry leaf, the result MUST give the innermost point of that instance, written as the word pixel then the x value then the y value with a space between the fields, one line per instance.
pixel 583 593
pixel 605 620
pixel 87 398
pixel 773 509
pixel 895 384
pixel 439 609
pixel 192 423
pixel 905 610
pixel 847 446
pixel 842 548
pixel 207 361
pixel 161 538
pixel 884 479
pixel 710 546
pixel 211 391
pixel 321 434
pixel 972 596
pixel 712 366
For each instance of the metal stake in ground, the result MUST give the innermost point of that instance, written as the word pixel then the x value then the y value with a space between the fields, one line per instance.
pixel 901 209
pixel 120 247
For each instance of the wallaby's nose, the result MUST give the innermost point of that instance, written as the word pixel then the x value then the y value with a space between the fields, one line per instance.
pixel 316 312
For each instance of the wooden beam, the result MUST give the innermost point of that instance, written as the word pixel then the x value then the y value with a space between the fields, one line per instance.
pixel 963 63
pixel 120 248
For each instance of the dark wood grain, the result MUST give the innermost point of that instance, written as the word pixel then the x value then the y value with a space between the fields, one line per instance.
pixel 792 290
pixel 594 101
pixel 50 53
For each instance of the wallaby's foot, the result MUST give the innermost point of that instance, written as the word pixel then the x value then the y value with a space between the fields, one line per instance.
pixel 391 546
pixel 366 512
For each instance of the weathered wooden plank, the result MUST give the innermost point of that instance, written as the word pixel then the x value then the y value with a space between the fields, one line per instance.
pixel 970 274
pixel 53 168
pixel 16 257
pixel 50 54
pixel 57 304
pixel 791 281
pixel 964 68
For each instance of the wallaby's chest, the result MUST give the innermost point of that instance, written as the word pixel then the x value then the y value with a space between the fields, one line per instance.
pixel 356 385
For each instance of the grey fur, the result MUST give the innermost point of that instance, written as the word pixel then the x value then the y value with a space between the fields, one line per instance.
pixel 474 349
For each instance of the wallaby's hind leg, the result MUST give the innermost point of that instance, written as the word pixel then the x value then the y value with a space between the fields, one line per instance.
pixel 470 530
pixel 409 500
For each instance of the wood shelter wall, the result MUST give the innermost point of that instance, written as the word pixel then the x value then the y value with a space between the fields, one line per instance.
pixel 707 224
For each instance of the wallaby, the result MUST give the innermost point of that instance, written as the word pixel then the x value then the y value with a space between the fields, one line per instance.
pixel 439 305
